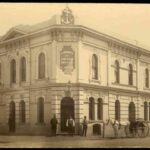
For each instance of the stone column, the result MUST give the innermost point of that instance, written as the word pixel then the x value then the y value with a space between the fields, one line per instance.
pixel 138 75
pixel 109 73
pixel 53 67
pixel 79 114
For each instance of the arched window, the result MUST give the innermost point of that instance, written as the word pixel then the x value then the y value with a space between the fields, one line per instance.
pixel 149 111
pixel 94 67
pixel 132 111
pixel 146 78
pixel 0 73
pixel 145 111
pixel 117 110
pixel 117 72
pixel 23 69
pixel 40 110
pixel 22 112
pixel 130 74
pixel 13 71
pixel 41 66
pixel 100 109
pixel 91 109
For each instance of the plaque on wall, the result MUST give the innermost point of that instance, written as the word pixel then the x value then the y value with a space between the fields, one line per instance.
pixel 67 60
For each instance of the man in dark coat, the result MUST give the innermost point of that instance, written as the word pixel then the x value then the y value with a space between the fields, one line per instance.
pixel 84 126
pixel 54 123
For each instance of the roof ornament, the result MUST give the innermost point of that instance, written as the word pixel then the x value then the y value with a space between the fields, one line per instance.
pixel 67 16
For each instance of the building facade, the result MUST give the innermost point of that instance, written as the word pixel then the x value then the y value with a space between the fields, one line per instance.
pixel 60 67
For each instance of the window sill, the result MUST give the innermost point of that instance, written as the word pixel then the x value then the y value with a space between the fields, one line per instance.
pixel 127 85
pixel 145 88
pixel 44 79
pixel 94 81
pixel 40 124
pixel 24 83
pixel 22 124
pixel 13 85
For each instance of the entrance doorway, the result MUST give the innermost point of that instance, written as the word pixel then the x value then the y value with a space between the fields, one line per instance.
pixel 12 114
pixel 131 111
pixel 67 110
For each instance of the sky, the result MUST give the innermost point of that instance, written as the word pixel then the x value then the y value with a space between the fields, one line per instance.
pixel 128 21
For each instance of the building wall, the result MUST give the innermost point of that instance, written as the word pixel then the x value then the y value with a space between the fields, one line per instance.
pixel 52 88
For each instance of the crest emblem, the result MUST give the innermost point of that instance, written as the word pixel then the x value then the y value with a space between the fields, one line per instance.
pixel 67 59
pixel 67 16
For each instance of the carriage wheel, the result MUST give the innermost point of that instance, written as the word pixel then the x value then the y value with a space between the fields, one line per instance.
pixel 143 131
pixel 128 132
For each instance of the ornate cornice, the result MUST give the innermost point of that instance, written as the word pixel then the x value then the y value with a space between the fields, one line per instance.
pixel 62 35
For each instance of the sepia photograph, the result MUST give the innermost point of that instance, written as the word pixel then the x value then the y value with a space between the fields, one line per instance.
pixel 74 75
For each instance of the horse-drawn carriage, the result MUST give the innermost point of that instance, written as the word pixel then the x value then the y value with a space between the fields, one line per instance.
pixel 137 128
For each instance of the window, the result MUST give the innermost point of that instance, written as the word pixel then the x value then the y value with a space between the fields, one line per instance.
pixel 149 111
pixel 145 111
pixel 117 72
pixel 40 110
pixel 41 66
pixel 146 78
pixel 100 109
pixel 22 112
pixel 12 110
pixel 117 110
pixel 0 73
pixel 94 67
pixel 132 111
pixel 13 71
pixel 130 74
pixel 91 109
pixel 23 69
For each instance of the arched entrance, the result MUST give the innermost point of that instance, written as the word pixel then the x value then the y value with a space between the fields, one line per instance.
pixel 67 110
pixel 131 111
pixel 12 114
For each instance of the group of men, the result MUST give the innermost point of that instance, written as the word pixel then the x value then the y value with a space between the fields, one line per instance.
pixel 70 124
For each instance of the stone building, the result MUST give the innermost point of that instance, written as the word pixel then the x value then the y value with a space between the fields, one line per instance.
pixel 63 68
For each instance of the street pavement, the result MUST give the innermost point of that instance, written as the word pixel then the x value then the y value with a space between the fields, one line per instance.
pixel 18 141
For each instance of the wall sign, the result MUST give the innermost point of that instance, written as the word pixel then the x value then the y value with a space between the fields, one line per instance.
pixel 67 60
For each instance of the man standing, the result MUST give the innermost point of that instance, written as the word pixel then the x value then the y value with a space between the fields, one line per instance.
pixel 53 123
pixel 84 126
pixel 116 127
pixel 70 125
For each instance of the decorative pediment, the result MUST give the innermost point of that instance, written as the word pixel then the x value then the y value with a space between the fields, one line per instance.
pixel 12 33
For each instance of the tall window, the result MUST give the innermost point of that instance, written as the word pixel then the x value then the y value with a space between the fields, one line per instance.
pixel 149 111
pixel 13 71
pixel 117 72
pixel 132 111
pixel 40 110
pixel 22 112
pixel 91 109
pixel 117 110
pixel 41 67
pixel 0 73
pixel 145 111
pixel 146 78
pixel 130 74
pixel 100 109
pixel 94 67
pixel 23 69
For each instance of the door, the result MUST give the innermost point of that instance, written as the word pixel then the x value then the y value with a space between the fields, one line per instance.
pixel 67 110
